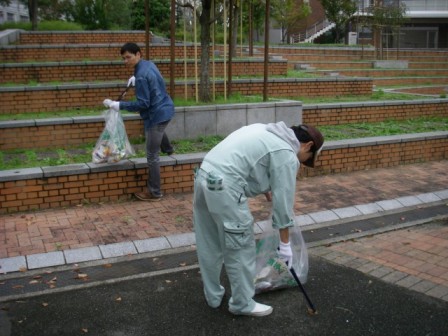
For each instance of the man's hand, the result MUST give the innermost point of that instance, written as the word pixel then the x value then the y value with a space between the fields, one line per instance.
pixel 284 252
pixel 113 105
pixel 131 81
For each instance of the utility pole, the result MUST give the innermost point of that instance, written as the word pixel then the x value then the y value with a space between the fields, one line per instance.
pixel 173 46
pixel 147 29
pixel 266 51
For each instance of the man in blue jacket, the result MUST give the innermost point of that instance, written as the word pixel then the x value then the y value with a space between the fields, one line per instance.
pixel 156 109
pixel 256 159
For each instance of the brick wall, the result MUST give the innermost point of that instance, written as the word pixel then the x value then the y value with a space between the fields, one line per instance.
pixel 67 97
pixel 43 193
pixel 56 53
pixel 52 192
pixel 346 113
pixel 81 37
pixel 104 71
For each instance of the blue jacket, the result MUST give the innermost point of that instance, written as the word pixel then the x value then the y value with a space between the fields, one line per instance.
pixel 153 102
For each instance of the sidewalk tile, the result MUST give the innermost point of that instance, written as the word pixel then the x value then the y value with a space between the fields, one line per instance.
pixel 82 254
pixel 151 244
pixel 13 264
pixel 117 249
pixel 42 260
pixel 180 240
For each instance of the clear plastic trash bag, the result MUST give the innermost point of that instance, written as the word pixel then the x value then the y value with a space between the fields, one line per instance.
pixel 113 144
pixel 271 272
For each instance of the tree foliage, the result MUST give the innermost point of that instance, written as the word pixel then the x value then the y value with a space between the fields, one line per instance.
pixel 102 14
pixel 287 13
pixel 159 15
pixel 340 13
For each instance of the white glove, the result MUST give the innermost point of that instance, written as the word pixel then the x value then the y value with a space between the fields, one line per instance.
pixel 131 81
pixel 113 105
pixel 285 253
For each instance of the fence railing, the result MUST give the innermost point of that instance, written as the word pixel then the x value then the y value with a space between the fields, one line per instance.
pixel 311 31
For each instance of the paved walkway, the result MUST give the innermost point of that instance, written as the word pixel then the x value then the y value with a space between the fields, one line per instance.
pixel 48 238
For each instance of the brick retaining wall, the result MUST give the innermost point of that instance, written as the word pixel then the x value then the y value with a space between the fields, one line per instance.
pixel 116 70
pixel 81 37
pixel 71 96
pixel 85 52
pixel 41 188
pixel 346 113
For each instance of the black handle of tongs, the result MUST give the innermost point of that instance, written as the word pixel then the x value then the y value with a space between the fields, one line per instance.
pixel 310 304
pixel 121 96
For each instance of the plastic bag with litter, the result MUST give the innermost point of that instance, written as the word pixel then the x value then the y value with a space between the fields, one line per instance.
pixel 271 272
pixel 113 144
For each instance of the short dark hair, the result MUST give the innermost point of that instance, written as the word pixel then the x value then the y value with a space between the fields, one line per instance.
pixel 131 47
pixel 306 133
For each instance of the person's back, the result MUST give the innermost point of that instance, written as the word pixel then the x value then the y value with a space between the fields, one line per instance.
pixel 246 155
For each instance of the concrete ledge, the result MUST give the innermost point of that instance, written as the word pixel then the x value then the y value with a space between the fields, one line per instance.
pixel 9 36
pixel 391 64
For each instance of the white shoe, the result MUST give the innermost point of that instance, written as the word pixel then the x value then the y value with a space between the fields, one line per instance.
pixel 259 310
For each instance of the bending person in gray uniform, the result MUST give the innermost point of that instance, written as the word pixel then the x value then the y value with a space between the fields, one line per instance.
pixel 256 159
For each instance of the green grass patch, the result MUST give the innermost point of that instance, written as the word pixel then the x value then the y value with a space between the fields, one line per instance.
pixel 379 95
pixel 17 159
pixel 43 26
pixel 384 128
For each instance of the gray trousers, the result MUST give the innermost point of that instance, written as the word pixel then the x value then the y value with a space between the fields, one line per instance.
pixel 224 236
pixel 156 139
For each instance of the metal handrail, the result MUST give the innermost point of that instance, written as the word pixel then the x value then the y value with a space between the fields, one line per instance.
pixel 309 32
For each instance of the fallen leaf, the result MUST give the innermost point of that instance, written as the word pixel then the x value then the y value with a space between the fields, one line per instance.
pixel 37 277
pixel 33 282
pixel 17 286
pixel 183 264
pixel 168 281
pixel 107 265
pixel 85 330
pixel 44 304
pixel 22 269
pixel 118 299
pixel 82 275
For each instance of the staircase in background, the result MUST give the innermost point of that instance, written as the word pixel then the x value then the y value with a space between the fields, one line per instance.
pixel 310 34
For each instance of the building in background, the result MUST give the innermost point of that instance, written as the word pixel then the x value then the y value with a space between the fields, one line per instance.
pixel 426 24
pixel 15 12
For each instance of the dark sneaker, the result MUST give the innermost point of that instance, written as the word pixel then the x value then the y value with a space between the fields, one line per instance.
pixel 170 152
pixel 145 196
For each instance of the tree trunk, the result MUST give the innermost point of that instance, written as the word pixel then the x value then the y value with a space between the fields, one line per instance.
pixel 235 23
pixel 32 11
pixel 204 19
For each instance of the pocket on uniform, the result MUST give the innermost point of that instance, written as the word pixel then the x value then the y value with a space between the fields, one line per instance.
pixel 237 235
